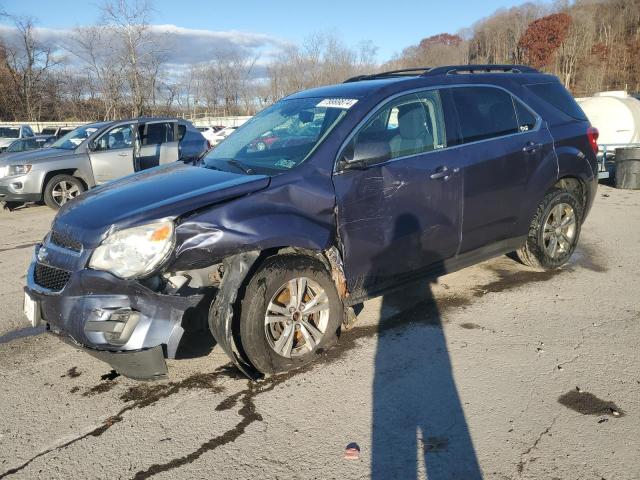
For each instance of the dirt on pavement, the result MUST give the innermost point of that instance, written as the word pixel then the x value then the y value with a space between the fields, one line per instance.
pixel 495 371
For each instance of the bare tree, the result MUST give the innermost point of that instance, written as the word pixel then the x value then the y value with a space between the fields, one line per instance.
pixel 140 54
pixel 103 67
pixel 27 60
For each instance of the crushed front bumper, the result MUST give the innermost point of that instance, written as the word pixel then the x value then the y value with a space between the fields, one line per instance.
pixel 147 364
pixel 121 322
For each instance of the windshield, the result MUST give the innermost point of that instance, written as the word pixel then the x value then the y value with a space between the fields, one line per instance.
pixel 280 137
pixel 74 138
pixel 17 146
pixel 9 132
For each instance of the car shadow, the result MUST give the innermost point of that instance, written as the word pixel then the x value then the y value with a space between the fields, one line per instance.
pixel 418 421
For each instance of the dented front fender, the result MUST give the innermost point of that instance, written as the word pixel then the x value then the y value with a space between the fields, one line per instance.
pixel 221 314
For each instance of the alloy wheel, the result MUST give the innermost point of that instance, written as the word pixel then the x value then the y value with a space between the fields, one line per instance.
pixel 559 230
pixel 297 317
pixel 64 191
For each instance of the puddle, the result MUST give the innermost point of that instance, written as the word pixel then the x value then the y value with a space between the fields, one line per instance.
pixel 435 444
pixel 146 394
pixel 100 388
pixel 103 387
pixel 470 326
pixel 586 257
pixel 112 375
pixel 509 280
pixel 588 404
pixel 72 373
pixel 22 333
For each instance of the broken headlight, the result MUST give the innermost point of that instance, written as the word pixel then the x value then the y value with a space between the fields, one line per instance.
pixel 134 252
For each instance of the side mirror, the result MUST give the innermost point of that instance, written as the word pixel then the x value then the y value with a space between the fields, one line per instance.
pixel 92 145
pixel 359 155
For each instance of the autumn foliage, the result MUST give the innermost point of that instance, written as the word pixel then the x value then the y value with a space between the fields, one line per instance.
pixel 543 38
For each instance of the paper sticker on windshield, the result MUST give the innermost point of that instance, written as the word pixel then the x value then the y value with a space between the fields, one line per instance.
pixel 345 103
pixel 284 163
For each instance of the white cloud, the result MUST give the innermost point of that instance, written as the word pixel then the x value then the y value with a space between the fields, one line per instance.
pixel 182 46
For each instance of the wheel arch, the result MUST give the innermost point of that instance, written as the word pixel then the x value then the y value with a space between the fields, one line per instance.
pixel 575 185
pixel 73 172
pixel 238 271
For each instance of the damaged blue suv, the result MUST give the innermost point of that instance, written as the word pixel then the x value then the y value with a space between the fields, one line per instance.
pixel 327 198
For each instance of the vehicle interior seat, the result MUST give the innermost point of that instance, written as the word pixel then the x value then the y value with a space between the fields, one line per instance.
pixel 118 140
pixel 413 134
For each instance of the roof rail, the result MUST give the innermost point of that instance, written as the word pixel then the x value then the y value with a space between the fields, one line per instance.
pixel 445 70
pixel 489 68
pixel 390 74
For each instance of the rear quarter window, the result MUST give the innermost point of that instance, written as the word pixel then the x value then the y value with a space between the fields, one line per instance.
pixel 558 96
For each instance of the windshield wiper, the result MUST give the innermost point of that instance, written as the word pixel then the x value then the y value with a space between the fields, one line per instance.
pixel 241 166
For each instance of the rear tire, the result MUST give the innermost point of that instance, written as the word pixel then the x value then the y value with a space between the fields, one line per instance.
pixel 60 189
pixel 272 314
pixel 554 231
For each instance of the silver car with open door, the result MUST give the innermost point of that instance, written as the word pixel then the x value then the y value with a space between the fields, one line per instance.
pixel 94 154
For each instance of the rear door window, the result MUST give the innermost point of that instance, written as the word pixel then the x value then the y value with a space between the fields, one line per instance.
pixel 484 113
pixel 157 133
pixel 558 96
pixel 182 130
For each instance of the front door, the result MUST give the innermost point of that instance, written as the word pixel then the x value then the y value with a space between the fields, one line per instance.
pixel 158 144
pixel 111 154
pixel 399 205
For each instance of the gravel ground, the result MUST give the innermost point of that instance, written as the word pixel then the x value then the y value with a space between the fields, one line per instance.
pixel 495 371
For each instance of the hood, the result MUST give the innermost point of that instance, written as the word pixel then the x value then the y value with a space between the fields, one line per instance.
pixel 5 142
pixel 166 191
pixel 34 156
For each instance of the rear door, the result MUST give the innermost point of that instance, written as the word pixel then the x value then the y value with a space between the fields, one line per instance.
pixel 399 211
pixel 158 144
pixel 111 154
pixel 503 146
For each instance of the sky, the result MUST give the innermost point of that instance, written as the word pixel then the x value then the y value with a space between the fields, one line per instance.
pixel 267 25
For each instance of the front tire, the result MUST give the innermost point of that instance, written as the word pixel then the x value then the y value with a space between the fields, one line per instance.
pixel 60 189
pixel 290 313
pixel 554 231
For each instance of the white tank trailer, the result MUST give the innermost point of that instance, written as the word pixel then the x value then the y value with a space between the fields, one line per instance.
pixel 616 115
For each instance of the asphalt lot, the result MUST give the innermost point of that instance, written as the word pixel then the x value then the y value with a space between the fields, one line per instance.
pixel 494 371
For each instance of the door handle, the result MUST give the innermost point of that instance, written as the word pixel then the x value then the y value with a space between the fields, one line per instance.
pixel 443 173
pixel 531 147
pixel 123 154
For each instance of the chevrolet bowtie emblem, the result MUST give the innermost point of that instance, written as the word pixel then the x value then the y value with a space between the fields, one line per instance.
pixel 42 254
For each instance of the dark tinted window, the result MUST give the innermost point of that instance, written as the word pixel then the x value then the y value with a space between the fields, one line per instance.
pixel 484 112
pixel 156 133
pixel 526 119
pixel 559 97
pixel 182 129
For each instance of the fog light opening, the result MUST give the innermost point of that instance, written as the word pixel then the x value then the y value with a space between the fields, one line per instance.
pixel 116 325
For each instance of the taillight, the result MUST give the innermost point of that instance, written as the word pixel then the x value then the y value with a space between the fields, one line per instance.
pixel 592 135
